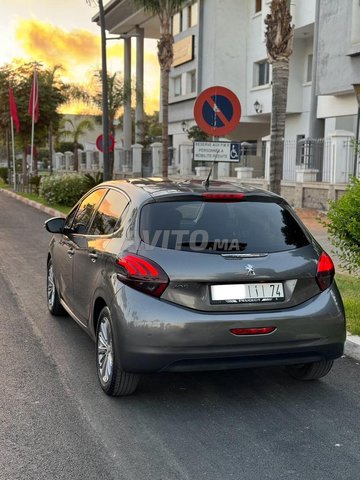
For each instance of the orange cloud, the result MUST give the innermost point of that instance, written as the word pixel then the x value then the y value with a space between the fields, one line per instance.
pixel 78 52
pixel 52 45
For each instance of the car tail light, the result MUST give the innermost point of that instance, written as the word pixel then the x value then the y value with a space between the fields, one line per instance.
pixel 223 197
pixel 142 274
pixel 252 331
pixel 325 271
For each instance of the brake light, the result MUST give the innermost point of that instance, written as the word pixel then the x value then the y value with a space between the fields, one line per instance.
pixel 142 274
pixel 223 197
pixel 252 331
pixel 325 271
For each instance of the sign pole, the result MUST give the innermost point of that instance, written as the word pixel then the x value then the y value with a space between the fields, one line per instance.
pixel 215 166
pixel 13 151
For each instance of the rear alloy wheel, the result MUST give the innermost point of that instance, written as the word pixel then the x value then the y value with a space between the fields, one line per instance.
pixel 310 371
pixel 113 380
pixel 53 299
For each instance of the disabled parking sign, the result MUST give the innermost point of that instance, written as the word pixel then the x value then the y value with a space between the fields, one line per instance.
pixel 216 151
pixel 217 111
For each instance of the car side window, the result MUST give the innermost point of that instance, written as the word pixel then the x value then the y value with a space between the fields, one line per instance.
pixel 86 210
pixel 107 218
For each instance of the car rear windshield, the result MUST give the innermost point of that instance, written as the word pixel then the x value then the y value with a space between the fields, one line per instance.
pixel 248 227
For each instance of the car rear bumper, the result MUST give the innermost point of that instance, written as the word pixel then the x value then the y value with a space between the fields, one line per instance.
pixel 158 336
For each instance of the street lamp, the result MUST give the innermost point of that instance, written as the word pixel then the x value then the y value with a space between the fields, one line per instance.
pixel 356 87
pixel 257 106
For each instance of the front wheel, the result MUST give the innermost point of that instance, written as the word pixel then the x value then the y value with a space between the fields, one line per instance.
pixel 113 379
pixel 53 300
pixel 310 371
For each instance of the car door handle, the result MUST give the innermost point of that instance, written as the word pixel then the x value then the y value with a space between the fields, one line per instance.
pixel 70 252
pixel 93 257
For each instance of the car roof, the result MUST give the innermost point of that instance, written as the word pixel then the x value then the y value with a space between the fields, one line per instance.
pixel 159 188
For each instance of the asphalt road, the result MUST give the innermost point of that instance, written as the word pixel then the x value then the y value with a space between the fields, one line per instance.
pixel 57 424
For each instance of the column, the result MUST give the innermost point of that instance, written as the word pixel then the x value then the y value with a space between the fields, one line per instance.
pixel 341 159
pixel 139 111
pixel 136 159
pixel 156 150
pixel 127 102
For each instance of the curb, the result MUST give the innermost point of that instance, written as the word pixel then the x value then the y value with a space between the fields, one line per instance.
pixel 32 203
pixel 352 344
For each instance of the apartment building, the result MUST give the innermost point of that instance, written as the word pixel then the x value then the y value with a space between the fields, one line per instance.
pixel 221 42
pixel 338 64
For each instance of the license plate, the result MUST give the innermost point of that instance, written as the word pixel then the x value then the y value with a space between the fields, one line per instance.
pixel 247 293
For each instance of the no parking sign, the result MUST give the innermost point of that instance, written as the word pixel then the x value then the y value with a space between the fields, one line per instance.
pixel 217 111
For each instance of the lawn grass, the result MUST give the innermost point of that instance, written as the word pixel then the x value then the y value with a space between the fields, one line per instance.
pixel 349 287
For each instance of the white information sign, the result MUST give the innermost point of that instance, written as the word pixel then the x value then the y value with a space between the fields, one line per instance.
pixel 217 151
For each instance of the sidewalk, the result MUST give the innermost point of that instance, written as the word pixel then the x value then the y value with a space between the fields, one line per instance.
pixel 308 217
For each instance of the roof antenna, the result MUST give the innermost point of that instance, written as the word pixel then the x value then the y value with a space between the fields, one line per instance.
pixel 206 183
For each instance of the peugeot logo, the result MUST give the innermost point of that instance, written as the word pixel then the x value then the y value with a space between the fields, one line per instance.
pixel 250 269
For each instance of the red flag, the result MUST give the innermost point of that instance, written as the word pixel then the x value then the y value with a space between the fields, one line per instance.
pixel 34 99
pixel 13 110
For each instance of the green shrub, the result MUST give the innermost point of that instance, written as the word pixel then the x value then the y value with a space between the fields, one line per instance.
pixel 4 172
pixel 35 183
pixel 344 227
pixel 63 189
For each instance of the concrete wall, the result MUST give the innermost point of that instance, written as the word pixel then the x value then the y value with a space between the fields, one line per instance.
pixel 336 69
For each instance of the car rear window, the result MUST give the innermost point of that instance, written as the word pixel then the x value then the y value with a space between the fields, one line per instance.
pixel 248 227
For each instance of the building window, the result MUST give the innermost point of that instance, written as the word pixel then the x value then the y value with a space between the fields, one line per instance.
pixel 261 73
pixel 309 68
pixel 177 23
pixel 177 86
pixel 258 6
pixel 193 15
pixel 191 82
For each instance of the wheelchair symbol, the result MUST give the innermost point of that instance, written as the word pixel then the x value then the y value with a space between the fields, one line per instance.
pixel 234 152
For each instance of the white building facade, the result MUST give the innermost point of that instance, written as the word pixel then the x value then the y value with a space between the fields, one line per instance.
pixel 222 43
pixel 228 49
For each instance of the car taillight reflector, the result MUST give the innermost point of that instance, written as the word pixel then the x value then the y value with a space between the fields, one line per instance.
pixel 325 271
pixel 142 274
pixel 252 331
pixel 223 197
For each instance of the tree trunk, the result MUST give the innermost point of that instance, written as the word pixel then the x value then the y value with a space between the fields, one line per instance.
pixel 165 56
pixel 51 149
pixel 280 78
pixel 76 157
pixel 165 121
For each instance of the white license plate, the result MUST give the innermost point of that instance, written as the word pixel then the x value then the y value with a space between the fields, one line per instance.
pixel 247 292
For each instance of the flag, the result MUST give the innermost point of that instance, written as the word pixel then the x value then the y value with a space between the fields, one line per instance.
pixel 34 99
pixel 13 110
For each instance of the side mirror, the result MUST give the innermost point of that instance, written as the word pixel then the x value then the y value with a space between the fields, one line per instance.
pixel 55 225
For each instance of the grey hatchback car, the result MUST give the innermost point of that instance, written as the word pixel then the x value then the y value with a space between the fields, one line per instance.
pixel 184 276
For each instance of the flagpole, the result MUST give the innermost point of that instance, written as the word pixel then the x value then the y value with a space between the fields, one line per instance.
pixel 33 122
pixel 13 150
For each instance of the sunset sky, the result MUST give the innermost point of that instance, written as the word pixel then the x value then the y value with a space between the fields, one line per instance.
pixel 55 32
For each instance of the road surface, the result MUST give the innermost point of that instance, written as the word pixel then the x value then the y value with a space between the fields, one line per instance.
pixel 57 424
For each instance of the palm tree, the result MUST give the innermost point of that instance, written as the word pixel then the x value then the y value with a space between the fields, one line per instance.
pixel 164 9
pixel 74 131
pixel 279 35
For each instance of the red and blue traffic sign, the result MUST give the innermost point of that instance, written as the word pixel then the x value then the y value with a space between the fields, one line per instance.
pixel 217 111
pixel 100 143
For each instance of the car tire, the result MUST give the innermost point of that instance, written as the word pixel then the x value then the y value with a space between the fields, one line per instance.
pixel 310 371
pixel 113 379
pixel 53 299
